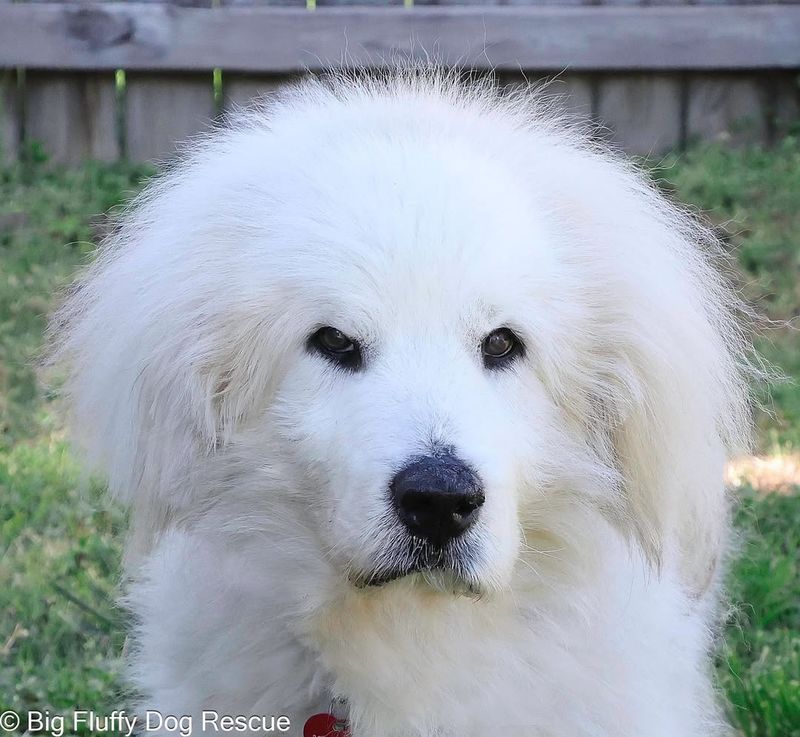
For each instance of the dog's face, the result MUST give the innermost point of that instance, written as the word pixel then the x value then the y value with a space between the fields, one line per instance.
pixel 440 326
pixel 409 396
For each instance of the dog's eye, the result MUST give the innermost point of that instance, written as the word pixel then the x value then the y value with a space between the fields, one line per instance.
pixel 334 341
pixel 337 347
pixel 500 347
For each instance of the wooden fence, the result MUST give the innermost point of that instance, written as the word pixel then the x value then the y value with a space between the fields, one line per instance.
pixel 130 79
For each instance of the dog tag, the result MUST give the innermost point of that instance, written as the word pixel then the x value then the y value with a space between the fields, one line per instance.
pixel 325 725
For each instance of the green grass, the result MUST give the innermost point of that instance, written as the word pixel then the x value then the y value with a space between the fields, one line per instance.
pixel 753 196
pixel 60 632
pixel 759 661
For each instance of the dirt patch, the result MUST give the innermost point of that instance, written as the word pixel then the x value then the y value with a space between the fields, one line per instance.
pixel 775 473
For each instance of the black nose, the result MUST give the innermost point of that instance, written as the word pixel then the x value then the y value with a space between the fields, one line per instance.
pixel 437 497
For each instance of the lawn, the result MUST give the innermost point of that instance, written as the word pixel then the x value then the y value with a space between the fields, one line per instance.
pixel 60 632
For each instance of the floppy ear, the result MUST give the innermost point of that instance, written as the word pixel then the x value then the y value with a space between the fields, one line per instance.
pixel 670 445
pixel 161 344
pixel 654 362
pixel 681 390
pixel 140 382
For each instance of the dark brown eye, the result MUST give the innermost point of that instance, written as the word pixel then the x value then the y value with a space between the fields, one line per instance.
pixel 336 346
pixel 334 340
pixel 500 347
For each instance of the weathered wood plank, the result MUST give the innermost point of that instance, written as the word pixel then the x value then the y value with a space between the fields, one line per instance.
pixel 785 104
pixel 500 2
pixel 727 107
pixel 461 2
pixel 162 111
pixel 240 90
pixel 273 39
pixel 73 115
pixel 284 3
pixel 571 94
pixel 371 3
pixel 9 116
pixel 642 112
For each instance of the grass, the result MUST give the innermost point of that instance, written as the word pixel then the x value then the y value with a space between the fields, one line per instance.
pixel 753 196
pixel 60 632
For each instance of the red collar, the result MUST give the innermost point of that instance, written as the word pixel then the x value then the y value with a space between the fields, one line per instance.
pixel 332 723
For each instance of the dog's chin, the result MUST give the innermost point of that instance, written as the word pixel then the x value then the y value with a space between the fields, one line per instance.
pixel 424 567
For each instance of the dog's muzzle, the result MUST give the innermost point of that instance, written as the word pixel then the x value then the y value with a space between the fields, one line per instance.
pixel 437 499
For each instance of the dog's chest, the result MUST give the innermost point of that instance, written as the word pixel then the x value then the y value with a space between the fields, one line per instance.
pixel 411 663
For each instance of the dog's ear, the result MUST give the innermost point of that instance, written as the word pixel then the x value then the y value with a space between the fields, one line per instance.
pixel 162 347
pixel 680 390
pixel 670 446
pixel 658 362
pixel 140 400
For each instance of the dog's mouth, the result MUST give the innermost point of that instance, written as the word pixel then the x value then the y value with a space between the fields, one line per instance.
pixel 382 578
pixel 446 570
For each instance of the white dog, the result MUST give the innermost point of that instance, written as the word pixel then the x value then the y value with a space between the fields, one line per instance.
pixel 421 402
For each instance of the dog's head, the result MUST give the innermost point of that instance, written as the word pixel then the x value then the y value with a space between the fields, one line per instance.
pixel 436 312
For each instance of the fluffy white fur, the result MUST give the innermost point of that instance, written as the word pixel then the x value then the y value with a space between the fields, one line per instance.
pixel 416 214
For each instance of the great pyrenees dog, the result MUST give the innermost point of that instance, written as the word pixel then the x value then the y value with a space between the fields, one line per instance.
pixel 420 400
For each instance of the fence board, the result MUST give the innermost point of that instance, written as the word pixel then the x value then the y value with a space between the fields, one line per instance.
pixel 642 112
pixel 574 94
pixel 163 110
pixel 499 2
pixel 73 116
pixel 240 90
pixel 626 60
pixel 785 104
pixel 466 2
pixel 284 3
pixel 9 113
pixel 729 108
pixel 364 3
pixel 570 93
pixel 9 116
pixel 274 39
